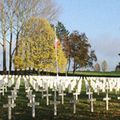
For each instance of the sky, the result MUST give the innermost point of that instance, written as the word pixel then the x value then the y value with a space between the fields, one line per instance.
pixel 100 20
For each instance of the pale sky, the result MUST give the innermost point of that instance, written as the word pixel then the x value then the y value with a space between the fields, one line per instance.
pixel 100 20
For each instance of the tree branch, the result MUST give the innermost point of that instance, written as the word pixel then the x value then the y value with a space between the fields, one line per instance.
pixel 1 44
pixel 8 41
pixel 13 51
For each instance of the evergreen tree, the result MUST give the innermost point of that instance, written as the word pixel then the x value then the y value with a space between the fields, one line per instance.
pixel 92 58
pixel 63 35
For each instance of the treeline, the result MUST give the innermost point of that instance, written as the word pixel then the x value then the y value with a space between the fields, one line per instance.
pixel 28 30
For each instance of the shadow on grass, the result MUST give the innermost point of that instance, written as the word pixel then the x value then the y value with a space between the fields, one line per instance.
pixel 65 112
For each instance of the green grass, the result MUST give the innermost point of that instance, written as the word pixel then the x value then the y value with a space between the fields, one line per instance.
pixel 93 73
pixel 65 112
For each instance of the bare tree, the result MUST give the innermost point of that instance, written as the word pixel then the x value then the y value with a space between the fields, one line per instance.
pixel 97 67
pixel 104 66
pixel 3 31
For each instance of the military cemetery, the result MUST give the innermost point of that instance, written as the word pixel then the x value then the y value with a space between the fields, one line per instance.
pixel 59 60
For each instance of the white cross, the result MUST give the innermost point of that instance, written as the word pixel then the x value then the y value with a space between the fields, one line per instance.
pixel 76 95
pixel 13 97
pixel 91 102
pixel 47 95
pixel 33 104
pixel 27 90
pixel 29 93
pixel 74 101
pixel 89 94
pixel 55 102
pixel 106 99
pixel 42 91
pixel 69 88
pixel 30 96
pixel 10 105
pixel 62 96
pixel 36 86
pixel 14 93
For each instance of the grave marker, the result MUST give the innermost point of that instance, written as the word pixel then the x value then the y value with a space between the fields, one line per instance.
pixel 89 93
pixel 76 94
pixel 91 102
pixel 10 105
pixel 62 96
pixel 74 102
pixel 47 95
pixel 107 100
pixel 33 104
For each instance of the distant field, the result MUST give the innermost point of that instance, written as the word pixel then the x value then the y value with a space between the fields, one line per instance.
pixel 91 73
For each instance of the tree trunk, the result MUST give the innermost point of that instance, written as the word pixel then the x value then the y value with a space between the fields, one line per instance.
pixel 3 27
pixel 68 65
pixel 74 67
pixel 4 55
pixel 10 53
pixel 17 37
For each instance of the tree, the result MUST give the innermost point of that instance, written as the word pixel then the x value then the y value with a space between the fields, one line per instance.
pixel 97 67
pixel 3 32
pixel 61 31
pixel 79 49
pixel 36 47
pixel 104 66
pixel 92 58
pixel 14 14
pixel 117 68
pixel 63 35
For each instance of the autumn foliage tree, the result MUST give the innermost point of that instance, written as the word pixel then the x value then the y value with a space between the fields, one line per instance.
pixel 79 50
pixel 13 15
pixel 76 48
pixel 36 47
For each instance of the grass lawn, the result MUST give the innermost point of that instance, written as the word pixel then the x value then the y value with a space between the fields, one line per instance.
pixel 65 112
pixel 93 73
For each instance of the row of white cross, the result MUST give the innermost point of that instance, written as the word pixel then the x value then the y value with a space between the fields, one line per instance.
pixel 45 84
pixel 101 83
pixel 73 84
pixel 61 85
pixel 8 82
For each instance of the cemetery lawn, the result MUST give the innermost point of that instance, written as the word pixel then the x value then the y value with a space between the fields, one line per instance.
pixel 65 112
